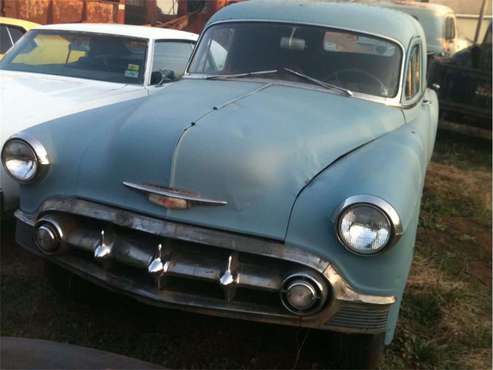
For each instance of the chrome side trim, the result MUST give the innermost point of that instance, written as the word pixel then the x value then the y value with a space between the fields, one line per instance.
pixel 176 194
pixel 381 204
pixel 344 292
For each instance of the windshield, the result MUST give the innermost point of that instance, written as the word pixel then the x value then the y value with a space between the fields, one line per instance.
pixel 354 61
pixel 81 55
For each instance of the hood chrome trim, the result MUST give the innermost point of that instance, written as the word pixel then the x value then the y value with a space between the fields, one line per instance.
pixel 194 198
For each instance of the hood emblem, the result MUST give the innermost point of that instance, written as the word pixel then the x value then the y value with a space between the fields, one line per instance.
pixel 173 198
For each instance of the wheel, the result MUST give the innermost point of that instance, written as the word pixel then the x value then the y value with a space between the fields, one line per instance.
pixel 359 351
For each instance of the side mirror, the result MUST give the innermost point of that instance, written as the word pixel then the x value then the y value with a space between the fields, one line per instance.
pixel 435 87
pixel 162 76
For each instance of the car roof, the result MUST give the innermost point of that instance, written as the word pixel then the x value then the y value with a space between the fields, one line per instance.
pixel 414 7
pixel 358 17
pixel 124 30
pixel 18 22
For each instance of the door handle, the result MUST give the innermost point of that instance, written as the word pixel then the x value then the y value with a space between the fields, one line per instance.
pixel 426 102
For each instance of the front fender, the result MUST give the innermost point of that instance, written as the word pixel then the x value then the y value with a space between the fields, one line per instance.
pixel 392 168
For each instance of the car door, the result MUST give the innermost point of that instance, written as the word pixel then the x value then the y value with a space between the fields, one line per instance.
pixel 168 55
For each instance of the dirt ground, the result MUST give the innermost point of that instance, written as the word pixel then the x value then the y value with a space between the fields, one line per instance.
pixel 445 321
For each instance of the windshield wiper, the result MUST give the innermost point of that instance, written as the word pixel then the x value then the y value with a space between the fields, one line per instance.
pixel 327 85
pixel 240 75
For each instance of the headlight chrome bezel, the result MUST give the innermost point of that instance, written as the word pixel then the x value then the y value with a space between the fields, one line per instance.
pixel 374 202
pixel 40 153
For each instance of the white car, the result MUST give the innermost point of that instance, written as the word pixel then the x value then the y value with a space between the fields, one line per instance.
pixel 57 70
pixel 438 22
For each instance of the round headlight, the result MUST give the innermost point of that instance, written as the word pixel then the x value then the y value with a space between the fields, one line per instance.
pixel 23 159
pixel 364 228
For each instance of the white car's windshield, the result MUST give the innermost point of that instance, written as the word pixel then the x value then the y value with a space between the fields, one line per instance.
pixel 82 55
pixel 357 62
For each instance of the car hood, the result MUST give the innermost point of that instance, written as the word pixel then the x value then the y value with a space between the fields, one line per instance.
pixel 254 145
pixel 27 99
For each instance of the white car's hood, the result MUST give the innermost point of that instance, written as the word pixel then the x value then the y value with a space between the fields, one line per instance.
pixel 27 99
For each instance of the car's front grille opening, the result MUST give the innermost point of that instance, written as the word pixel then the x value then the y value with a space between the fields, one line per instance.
pixel 179 271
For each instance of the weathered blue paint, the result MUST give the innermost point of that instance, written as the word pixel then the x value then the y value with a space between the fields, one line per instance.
pixel 256 153
pixel 93 151
pixel 393 168
pixel 283 157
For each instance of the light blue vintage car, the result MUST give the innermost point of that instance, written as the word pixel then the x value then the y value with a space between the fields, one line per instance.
pixel 280 181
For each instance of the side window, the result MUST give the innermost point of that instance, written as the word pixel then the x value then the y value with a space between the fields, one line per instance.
pixel 171 55
pixel 16 33
pixel 414 73
pixel 5 42
pixel 450 28
pixel 217 44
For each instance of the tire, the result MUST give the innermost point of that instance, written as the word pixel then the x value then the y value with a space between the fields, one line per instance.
pixel 359 351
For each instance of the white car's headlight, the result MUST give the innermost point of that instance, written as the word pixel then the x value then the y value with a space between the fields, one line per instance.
pixel 366 224
pixel 24 158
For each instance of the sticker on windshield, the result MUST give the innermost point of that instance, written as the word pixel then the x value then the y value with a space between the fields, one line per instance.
pixel 132 71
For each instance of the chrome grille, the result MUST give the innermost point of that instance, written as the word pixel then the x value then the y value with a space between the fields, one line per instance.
pixel 371 318
pixel 203 270
pixel 191 269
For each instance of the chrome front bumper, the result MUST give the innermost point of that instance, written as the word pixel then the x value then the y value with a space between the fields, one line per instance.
pixel 196 264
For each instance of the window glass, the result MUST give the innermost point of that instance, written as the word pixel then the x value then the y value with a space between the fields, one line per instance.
pixel 5 43
pixel 358 62
pixel 450 28
pixel 82 55
pixel 16 33
pixel 167 7
pixel 345 42
pixel 172 55
pixel 414 73
pixel 218 44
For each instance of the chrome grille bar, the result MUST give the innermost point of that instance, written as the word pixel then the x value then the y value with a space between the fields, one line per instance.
pixel 199 255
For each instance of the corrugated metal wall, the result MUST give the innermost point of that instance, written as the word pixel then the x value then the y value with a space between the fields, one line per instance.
pixel 63 11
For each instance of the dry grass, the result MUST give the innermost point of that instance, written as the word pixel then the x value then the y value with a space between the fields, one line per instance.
pixel 446 315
